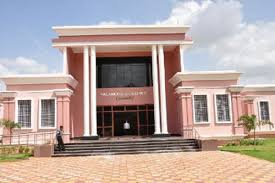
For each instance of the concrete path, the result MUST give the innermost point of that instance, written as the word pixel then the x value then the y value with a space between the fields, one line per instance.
pixel 167 167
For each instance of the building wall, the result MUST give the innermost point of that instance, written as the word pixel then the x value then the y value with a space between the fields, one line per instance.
pixel 35 98
pixel 62 110
pixel 213 128
pixel 271 100
pixel 1 117
pixel 36 87
pixel 75 66
pixel 172 66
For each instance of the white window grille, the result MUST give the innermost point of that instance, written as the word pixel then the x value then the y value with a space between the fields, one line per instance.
pixel 201 109
pixel 47 113
pixel 24 113
pixel 264 110
pixel 223 107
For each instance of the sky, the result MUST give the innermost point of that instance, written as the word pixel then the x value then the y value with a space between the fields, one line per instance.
pixel 227 34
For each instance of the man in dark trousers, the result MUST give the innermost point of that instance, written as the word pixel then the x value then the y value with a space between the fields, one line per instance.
pixel 59 139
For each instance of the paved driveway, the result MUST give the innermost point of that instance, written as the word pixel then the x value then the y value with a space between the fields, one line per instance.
pixel 170 167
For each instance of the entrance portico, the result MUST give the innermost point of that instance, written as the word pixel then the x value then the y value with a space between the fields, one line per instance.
pixel 90 91
pixel 163 44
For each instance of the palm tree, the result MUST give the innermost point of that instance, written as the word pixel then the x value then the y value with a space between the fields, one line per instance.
pixel 10 125
pixel 250 122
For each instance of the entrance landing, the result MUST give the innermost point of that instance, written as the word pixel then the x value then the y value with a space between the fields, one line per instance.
pixel 128 146
pixel 125 138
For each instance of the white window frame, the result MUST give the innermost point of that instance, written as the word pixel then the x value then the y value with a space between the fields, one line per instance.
pixel 194 114
pixel 259 109
pixel 216 108
pixel 55 112
pixel 32 111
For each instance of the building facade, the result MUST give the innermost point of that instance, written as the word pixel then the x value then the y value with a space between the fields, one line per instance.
pixel 113 74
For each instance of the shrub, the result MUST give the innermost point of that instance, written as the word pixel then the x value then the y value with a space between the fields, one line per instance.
pixel 247 142
pixel 21 149
pixel 27 150
pixel 231 144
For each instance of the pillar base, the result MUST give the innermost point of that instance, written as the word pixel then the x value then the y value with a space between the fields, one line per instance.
pixel 161 135
pixel 96 137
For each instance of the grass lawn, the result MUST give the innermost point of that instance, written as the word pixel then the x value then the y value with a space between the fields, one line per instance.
pixel 265 151
pixel 13 157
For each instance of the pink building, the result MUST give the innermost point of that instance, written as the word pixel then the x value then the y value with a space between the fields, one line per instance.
pixel 113 74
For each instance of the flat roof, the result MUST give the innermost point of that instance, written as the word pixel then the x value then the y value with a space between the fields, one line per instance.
pixel 204 75
pixel 119 29
pixel 39 79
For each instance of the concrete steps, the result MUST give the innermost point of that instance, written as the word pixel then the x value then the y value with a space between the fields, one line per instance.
pixel 151 145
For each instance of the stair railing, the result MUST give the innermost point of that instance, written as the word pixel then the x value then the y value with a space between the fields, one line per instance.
pixel 30 138
pixel 189 132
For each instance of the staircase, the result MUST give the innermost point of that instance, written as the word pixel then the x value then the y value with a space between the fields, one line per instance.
pixel 133 146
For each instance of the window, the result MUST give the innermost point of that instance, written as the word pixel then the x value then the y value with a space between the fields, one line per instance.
pixel 222 108
pixel 47 113
pixel 264 110
pixel 201 109
pixel 24 113
pixel 124 72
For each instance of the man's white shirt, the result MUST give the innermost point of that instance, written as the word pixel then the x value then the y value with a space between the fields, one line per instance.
pixel 126 126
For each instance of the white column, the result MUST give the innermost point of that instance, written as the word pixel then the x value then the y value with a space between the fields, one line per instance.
pixel 65 60
pixel 162 90
pixel 182 57
pixel 93 91
pixel 86 92
pixel 155 89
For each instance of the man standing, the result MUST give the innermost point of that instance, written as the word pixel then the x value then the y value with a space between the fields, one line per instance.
pixel 126 127
pixel 59 139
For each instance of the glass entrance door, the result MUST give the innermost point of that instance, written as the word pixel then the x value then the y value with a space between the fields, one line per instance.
pixel 110 120
pixel 121 118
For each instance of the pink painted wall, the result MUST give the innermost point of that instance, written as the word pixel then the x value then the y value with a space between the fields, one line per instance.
pixel 271 101
pixel 172 66
pixel 9 108
pixel 185 113
pixel 63 116
pixel 36 87
pixel 131 96
pixel 123 54
pixel 204 83
pixel 213 129
pixel 76 70
pixel 237 112
pixel 75 66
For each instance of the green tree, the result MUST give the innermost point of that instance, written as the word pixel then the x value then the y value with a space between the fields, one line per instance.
pixel 250 122
pixel 9 125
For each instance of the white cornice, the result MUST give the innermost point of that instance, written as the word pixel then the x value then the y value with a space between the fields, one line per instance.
pixel 235 88
pixel 63 92
pixel 184 89
pixel 252 88
pixel 119 29
pixel 120 43
pixel 204 76
pixel 8 94
pixel 249 98
pixel 260 88
pixel 40 79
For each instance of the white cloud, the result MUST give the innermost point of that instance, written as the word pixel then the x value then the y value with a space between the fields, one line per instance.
pixel 219 29
pixel 21 65
pixel 210 20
